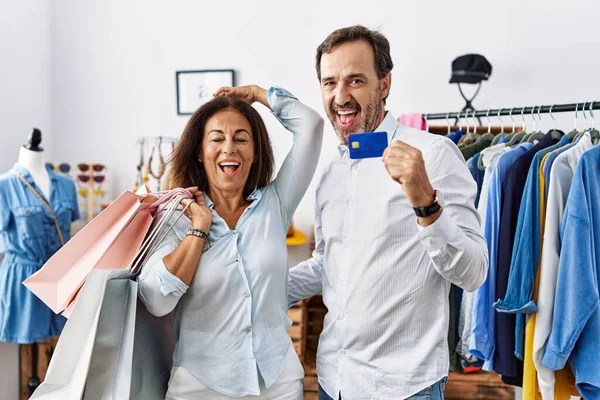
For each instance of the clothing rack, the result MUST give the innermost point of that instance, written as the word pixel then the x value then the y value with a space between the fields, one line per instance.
pixel 556 108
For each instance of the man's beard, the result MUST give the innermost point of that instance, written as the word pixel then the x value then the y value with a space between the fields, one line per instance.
pixel 369 122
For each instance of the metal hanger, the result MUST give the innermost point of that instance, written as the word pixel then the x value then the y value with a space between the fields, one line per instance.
pixel 537 134
pixel 524 130
pixel 515 137
pixel 475 123
pixel 585 129
pixel 555 133
pixel 571 135
pixel 594 134
pixel 501 134
pixel 448 123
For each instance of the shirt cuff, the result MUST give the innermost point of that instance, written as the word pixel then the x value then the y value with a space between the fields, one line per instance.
pixel 169 283
pixel 504 307
pixel 439 234
pixel 276 97
pixel 554 360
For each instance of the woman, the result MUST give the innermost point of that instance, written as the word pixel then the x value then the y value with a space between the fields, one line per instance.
pixel 224 270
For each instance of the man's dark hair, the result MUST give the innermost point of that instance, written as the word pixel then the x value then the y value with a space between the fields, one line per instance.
pixel 379 43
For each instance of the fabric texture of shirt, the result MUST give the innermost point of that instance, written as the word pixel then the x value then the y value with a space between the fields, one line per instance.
pixel 385 280
pixel 483 341
pixel 28 238
pixel 559 184
pixel 505 362
pixel 576 318
pixel 526 252
pixel 231 323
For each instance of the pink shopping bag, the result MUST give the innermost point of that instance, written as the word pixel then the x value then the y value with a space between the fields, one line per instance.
pixel 109 241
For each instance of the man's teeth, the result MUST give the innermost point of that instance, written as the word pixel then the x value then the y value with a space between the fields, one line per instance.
pixel 346 112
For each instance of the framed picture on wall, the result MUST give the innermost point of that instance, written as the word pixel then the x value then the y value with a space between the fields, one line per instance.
pixel 195 88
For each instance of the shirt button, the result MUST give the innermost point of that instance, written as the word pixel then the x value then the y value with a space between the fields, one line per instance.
pixel 52 243
pixel 350 203
pixel 343 352
pixel 247 295
pixel 346 239
pixel 248 330
pixel 237 260
pixel 343 277
pixel 354 167
pixel 341 316
pixel 234 231
pixel 28 212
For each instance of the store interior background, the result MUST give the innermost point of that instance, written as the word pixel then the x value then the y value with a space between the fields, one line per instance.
pixel 95 76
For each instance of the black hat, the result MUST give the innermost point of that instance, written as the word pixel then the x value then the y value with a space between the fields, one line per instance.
pixel 470 68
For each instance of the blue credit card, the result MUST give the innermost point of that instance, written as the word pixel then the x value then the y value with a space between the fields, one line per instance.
pixel 367 145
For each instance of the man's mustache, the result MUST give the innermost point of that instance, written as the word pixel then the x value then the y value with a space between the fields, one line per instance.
pixel 346 106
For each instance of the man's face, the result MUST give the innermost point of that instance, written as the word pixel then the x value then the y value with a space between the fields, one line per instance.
pixel 352 93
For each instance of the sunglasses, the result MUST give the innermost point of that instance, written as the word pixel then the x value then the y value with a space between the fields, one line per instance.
pixel 85 167
pixel 86 178
pixel 62 167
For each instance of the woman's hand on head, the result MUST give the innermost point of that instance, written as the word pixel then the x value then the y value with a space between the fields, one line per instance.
pixel 249 93
pixel 198 212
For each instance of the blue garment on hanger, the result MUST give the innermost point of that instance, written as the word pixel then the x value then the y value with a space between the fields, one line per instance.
pixel 513 187
pixel 456 135
pixel 477 174
pixel 28 238
pixel 526 252
pixel 576 322
pixel 483 322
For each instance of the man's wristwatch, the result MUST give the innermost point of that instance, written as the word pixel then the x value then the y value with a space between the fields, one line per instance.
pixel 428 211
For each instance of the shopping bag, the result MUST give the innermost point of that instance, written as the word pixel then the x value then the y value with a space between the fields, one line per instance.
pixel 96 245
pixel 112 347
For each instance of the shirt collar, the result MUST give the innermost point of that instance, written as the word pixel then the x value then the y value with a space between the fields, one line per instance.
pixel 388 125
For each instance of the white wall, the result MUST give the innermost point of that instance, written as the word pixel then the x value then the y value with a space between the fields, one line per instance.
pixel 25 86
pixel 25 79
pixel 114 62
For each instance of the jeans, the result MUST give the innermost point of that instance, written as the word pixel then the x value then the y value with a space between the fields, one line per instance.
pixel 433 392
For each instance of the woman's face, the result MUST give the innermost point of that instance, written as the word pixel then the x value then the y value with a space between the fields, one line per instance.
pixel 227 151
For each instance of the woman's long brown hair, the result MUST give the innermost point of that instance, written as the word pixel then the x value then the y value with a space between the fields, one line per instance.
pixel 185 168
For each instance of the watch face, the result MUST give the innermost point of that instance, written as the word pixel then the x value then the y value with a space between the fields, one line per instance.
pixel 440 198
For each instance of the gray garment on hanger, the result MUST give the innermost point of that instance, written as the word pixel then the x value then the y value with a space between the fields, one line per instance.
pixel 481 143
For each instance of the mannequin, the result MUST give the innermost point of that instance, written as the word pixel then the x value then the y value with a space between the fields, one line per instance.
pixel 32 158
pixel 37 207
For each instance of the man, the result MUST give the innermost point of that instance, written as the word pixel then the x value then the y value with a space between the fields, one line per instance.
pixel 390 237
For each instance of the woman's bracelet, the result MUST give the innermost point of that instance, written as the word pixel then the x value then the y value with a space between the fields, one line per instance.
pixel 198 233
